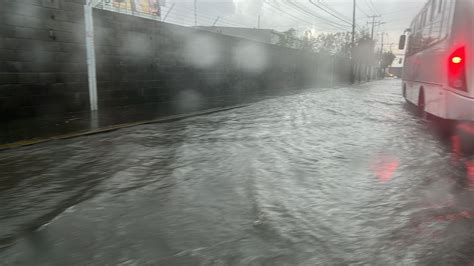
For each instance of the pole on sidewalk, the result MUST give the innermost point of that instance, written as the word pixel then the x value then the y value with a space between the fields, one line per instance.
pixel 373 23
pixel 91 63
pixel 381 56
pixel 381 44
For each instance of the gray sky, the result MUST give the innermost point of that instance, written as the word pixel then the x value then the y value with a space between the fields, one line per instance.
pixel 299 14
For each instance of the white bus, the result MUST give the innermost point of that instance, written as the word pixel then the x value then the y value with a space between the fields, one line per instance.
pixel 438 70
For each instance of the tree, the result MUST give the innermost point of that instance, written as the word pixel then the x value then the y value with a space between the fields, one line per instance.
pixel 308 40
pixel 387 59
pixel 332 43
pixel 287 38
pixel 340 43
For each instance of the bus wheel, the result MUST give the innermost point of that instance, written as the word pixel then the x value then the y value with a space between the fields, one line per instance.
pixel 421 106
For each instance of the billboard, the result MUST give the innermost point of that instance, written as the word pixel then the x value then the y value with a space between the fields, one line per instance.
pixel 139 7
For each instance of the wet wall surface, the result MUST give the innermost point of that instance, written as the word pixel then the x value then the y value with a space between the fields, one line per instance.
pixel 139 62
pixel 326 176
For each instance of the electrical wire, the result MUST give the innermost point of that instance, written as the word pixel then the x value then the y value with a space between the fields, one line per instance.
pixel 328 12
pixel 326 5
pixel 340 14
pixel 211 18
pixel 313 15
pixel 287 13
pixel 362 11
pixel 371 6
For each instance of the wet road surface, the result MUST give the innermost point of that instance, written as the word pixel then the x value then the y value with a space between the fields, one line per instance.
pixel 323 177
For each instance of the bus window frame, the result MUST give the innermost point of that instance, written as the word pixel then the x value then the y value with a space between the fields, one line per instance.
pixel 416 27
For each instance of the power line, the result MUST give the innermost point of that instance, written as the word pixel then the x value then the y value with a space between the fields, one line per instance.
pixel 342 19
pixel 328 12
pixel 371 6
pixel 374 7
pixel 362 11
pixel 288 14
pixel 373 25
pixel 182 16
pixel 212 17
pixel 169 11
pixel 313 14
pixel 308 13
pixel 215 13
pixel 190 17
pixel 396 11
pixel 201 14
pixel 326 5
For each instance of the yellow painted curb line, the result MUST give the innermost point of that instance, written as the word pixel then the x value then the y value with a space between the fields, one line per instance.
pixel 29 142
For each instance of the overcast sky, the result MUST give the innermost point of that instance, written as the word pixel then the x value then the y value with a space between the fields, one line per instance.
pixel 282 15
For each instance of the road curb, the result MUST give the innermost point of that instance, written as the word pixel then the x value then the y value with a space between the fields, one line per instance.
pixel 167 119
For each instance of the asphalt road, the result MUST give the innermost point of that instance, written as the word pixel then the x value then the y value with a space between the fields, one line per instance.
pixel 322 177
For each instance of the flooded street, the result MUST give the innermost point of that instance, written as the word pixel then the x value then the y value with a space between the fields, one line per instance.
pixel 322 177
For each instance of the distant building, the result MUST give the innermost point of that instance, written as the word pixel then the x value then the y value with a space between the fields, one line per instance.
pixel 397 65
pixel 260 35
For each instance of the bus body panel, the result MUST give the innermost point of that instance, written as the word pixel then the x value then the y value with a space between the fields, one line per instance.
pixel 426 68
pixel 461 37
pixel 470 45
pixel 462 108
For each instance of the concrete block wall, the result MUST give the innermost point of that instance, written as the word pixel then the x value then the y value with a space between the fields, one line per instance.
pixel 42 58
pixel 140 62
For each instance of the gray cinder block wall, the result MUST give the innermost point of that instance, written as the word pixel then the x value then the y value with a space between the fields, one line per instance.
pixel 42 58
pixel 140 62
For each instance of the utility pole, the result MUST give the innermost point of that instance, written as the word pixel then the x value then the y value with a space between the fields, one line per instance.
pixel 381 54
pixel 195 13
pixel 258 22
pixel 353 23
pixel 90 53
pixel 353 41
pixel 373 25
pixel 381 43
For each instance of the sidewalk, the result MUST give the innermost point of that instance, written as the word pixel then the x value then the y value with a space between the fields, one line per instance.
pixel 40 129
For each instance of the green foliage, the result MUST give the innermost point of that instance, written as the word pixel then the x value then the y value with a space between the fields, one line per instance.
pixel 387 59
pixel 331 43
pixel 288 38
pixel 338 43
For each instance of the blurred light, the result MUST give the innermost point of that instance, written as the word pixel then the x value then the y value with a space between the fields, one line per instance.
pixel 470 172
pixel 251 57
pixel 457 69
pixel 387 172
pixel 385 168
pixel 456 60
pixel 466 128
pixel 456 148
pixel 202 51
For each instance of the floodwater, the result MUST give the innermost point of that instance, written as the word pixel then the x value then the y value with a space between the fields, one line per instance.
pixel 322 177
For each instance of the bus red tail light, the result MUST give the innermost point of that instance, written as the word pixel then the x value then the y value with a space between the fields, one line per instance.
pixel 457 69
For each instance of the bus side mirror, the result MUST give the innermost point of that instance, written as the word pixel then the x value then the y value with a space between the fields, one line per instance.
pixel 401 44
